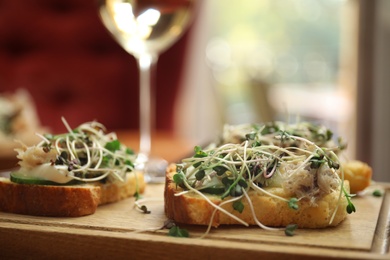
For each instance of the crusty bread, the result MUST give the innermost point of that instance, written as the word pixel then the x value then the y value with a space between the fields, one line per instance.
pixel 39 200
pixel 358 174
pixel 65 201
pixel 191 208
pixel 113 192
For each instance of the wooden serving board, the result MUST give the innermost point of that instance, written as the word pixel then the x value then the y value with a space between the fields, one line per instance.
pixel 121 231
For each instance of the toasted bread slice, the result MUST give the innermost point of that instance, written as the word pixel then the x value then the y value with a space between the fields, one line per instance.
pixel 358 174
pixel 65 201
pixel 112 192
pixel 191 208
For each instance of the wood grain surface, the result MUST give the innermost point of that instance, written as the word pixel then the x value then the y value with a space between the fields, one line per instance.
pixel 121 231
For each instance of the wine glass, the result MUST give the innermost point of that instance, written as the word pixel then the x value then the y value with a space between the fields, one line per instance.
pixel 145 28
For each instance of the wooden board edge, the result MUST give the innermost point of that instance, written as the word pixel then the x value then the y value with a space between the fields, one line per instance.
pixel 33 241
pixel 381 239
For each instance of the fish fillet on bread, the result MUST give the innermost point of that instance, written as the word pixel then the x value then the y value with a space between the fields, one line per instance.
pixel 71 174
pixel 271 175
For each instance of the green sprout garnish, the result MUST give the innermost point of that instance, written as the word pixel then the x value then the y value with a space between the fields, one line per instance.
pixel 113 146
pixel 143 208
pixel 377 193
pixel 350 207
pixel 88 154
pixel 238 206
pixel 178 178
pixel 289 230
pixel 293 203
pixel 200 175
pixel 176 231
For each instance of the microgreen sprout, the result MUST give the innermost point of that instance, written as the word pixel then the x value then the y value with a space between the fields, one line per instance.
pixel 350 206
pixel 176 231
pixel 178 178
pixel 377 193
pixel 138 200
pixel 87 153
pixel 289 230
pixel 293 203
pixel 238 206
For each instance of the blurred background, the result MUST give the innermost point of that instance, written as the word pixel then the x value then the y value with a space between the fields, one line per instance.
pixel 240 62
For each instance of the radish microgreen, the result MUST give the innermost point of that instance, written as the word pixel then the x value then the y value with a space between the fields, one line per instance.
pixel 290 229
pixel 293 203
pixel 238 206
pixel 87 153
pixel 377 193
pixel 176 231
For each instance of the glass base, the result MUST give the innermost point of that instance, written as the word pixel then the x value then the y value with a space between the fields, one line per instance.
pixel 154 168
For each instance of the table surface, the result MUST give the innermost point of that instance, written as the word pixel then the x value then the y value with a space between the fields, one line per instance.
pixel 119 230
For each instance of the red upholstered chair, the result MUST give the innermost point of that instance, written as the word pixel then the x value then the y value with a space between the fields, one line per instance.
pixel 61 53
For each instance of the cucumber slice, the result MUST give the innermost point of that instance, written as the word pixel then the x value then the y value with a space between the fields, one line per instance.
pixel 213 190
pixel 21 179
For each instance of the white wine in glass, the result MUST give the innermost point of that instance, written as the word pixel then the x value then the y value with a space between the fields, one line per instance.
pixel 145 28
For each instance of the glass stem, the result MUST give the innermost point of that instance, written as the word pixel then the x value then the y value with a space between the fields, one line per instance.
pixel 146 63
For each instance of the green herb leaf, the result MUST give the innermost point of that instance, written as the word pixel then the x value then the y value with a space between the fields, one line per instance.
pixel 329 134
pixel 350 208
pixel 175 231
pixel 199 153
pixel 316 162
pixel 227 181
pixel 106 160
pixel 238 206
pixel 129 151
pixel 200 175
pixel 179 178
pixel 243 183
pixel 289 231
pixel 293 203
pixel 220 170
pixel 129 163
pixel 113 146
pixel 377 193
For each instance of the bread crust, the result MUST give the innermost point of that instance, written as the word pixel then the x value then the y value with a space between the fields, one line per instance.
pixel 191 208
pixel 358 174
pixel 117 191
pixel 65 201
pixel 53 201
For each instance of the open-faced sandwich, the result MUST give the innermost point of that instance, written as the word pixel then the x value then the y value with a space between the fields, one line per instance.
pixel 18 120
pixel 271 175
pixel 70 174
